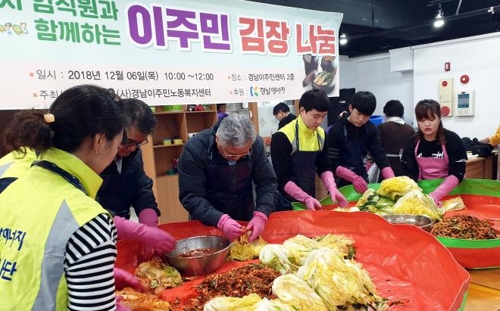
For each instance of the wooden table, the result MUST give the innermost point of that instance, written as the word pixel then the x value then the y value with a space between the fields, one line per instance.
pixel 484 290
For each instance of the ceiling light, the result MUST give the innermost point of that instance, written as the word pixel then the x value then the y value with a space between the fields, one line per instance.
pixel 439 21
pixel 343 39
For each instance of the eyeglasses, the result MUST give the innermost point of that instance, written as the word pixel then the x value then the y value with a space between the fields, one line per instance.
pixel 127 142
pixel 227 155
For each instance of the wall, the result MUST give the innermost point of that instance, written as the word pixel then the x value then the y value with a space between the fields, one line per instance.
pixel 477 57
pixel 372 73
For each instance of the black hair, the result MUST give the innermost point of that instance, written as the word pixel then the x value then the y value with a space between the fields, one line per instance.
pixel 139 114
pixel 364 102
pixel 280 107
pixel 394 108
pixel 314 99
pixel 79 112
pixel 430 109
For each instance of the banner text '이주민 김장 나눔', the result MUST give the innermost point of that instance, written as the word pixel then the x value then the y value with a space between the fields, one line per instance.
pixel 191 51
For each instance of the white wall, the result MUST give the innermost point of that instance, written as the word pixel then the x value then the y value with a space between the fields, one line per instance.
pixel 479 58
pixel 374 75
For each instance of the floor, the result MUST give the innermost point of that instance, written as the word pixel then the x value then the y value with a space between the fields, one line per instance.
pixel 484 290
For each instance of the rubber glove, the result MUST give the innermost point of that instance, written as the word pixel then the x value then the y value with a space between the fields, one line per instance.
pixel 120 307
pixel 329 182
pixel 387 172
pixel 231 229
pixel 148 217
pixel 300 195
pixel 257 225
pixel 155 238
pixel 125 279
pixel 357 181
pixel 446 186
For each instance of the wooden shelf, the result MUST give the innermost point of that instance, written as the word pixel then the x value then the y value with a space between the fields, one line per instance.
pixel 167 146
pixel 159 158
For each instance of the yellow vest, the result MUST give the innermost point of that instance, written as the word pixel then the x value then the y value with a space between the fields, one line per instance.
pixel 40 212
pixel 309 140
pixel 15 165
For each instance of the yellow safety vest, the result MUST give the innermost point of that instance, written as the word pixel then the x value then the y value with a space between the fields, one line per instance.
pixel 309 140
pixel 40 212
pixel 15 164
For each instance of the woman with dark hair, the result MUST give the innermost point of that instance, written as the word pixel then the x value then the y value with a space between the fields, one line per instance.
pixel 434 152
pixel 59 247
pixel 394 134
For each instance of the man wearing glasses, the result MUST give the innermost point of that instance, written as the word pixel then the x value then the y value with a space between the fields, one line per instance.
pixel 217 171
pixel 125 182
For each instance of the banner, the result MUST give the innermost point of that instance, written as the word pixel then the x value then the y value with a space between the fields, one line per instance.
pixel 175 52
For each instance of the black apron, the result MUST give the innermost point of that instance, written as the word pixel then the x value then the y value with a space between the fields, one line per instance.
pixel 352 154
pixel 303 172
pixel 117 191
pixel 229 187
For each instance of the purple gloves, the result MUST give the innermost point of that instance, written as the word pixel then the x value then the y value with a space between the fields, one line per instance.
pixel 151 237
pixel 231 229
pixel 387 172
pixel 257 225
pixel 300 195
pixel 357 181
pixel 446 186
pixel 148 217
pixel 125 279
pixel 329 182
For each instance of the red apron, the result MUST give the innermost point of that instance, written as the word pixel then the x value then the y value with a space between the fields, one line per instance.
pixel 433 168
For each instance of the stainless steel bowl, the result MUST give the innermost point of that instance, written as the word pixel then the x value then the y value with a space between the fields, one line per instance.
pixel 422 221
pixel 199 264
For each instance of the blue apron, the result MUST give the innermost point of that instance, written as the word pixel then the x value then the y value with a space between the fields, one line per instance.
pixel 229 187
pixel 352 156
pixel 303 172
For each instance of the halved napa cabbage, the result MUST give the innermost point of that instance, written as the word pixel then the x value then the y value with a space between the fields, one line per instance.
pixel 277 257
pixel 296 292
pixel 242 250
pixel 416 202
pixel 271 305
pixel 232 303
pixel 397 187
pixel 337 281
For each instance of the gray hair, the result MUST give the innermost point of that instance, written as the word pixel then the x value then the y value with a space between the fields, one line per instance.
pixel 236 130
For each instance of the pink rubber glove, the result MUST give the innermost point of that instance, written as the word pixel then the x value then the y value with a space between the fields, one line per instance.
pixel 120 307
pixel 300 195
pixel 329 182
pixel 125 279
pixel 155 238
pixel 231 229
pixel 257 225
pixel 357 181
pixel 387 172
pixel 148 217
pixel 446 186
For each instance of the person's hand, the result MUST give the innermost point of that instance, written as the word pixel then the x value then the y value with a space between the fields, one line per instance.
pixel 387 172
pixel 485 140
pixel 257 225
pixel 359 184
pixel 120 307
pixel 312 204
pixel 152 237
pixel 125 279
pixel 148 217
pixel 339 198
pixel 231 228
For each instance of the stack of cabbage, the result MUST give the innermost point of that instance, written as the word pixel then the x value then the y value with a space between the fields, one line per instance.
pixel 317 274
pixel 399 195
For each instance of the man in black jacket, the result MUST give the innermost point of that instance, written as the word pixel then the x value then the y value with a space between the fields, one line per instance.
pixel 125 182
pixel 217 170
pixel 282 113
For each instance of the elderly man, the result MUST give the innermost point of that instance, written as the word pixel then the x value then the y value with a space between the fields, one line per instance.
pixel 216 171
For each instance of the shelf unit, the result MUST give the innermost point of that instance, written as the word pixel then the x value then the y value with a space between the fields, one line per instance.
pixel 158 158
